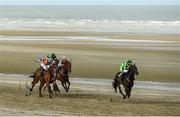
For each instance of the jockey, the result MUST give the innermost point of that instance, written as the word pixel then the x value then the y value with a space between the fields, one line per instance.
pixel 51 57
pixel 124 68
pixel 47 61
pixel 62 61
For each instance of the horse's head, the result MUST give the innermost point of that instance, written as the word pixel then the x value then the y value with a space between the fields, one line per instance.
pixel 68 64
pixel 133 69
pixel 55 63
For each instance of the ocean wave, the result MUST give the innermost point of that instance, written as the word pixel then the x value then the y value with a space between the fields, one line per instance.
pixel 93 25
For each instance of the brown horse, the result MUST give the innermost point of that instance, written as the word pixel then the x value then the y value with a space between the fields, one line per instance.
pixel 38 76
pixel 62 74
pixel 46 80
pixel 128 81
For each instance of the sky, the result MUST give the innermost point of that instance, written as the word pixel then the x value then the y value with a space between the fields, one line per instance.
pixel 89 2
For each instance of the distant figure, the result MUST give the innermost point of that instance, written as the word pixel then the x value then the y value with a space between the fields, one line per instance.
pixel 124 69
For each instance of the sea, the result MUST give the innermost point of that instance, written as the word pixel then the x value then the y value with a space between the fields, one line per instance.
pixel 112 18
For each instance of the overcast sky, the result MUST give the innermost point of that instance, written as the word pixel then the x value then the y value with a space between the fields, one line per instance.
pixel 90 2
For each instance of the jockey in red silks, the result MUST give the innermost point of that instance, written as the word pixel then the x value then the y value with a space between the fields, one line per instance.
pixel 47 61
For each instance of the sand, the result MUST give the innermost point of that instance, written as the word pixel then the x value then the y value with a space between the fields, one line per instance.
pixel 86 97
pixel 95 56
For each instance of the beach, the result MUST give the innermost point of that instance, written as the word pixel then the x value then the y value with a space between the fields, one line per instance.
pixel 94 55
pixel 97 39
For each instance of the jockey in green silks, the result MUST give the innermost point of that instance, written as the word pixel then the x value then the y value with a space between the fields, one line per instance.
pixel 124 69
pixel 51 57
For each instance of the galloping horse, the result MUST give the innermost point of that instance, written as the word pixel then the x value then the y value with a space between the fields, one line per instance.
pixel 63 76
pixel 45 77
pixel 46 80
pixel 128 81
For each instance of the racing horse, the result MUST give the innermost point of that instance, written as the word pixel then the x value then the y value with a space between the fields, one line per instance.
pixel 128 81
pixel 62 74
pixel 46 76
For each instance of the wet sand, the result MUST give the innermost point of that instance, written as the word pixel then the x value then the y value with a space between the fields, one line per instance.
pixel 113 35
pixel 87 97
pixel 95 56
pixel 95 61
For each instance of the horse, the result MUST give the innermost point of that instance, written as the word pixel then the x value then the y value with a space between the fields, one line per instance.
pixel 63 76
pixel 128 81
pixel 38 76
pixel 46 80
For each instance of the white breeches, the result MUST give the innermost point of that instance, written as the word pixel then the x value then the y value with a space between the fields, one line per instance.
pixel 125 71
pixel 44 66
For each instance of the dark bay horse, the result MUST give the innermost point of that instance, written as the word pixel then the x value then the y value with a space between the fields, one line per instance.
pixel 62 74
pixel 128 81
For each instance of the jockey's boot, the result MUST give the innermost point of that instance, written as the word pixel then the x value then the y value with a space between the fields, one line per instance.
pixel 122 80
pixel 41 71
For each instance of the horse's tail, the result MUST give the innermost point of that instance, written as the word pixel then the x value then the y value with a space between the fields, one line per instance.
pixel 32 76
pixel 114 84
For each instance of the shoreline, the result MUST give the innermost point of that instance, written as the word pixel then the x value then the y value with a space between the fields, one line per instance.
pixel 113 35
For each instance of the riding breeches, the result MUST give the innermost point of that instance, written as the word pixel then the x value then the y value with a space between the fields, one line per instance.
pixel 45 67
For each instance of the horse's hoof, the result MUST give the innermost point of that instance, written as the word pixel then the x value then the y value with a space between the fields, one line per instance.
pixel 124 97
pixel 30 89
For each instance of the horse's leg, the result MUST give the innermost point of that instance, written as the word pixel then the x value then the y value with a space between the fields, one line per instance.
pixel 120 91
pixel 55 88
pixel 44 87
pixel 68 85
pixel 130 88
pixel 129 93
pixel 40 88
pixel 33 84
pixel 114 84
pixel 31 89
pixel 127 90
pixel 49 90
pixel 64 86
